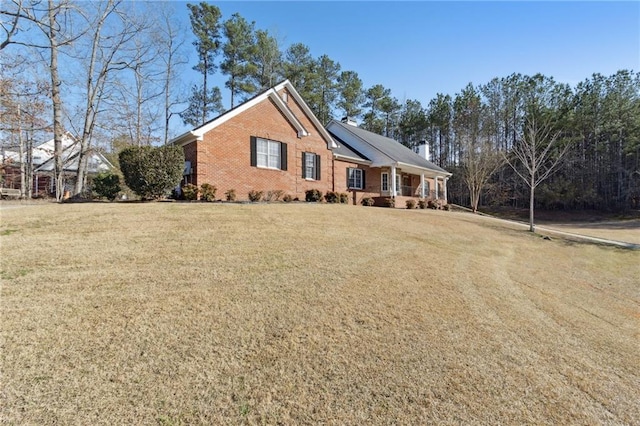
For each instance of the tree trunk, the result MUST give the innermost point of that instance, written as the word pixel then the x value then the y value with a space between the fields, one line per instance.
pixel 532 227
pixel 57 104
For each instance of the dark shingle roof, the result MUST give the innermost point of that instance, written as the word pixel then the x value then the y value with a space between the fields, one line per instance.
pixel 389 147
pixel 345 150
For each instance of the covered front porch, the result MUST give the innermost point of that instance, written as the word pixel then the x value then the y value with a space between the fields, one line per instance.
pixel 403 181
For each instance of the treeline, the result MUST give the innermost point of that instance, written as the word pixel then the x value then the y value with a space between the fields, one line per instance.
pixel 597 122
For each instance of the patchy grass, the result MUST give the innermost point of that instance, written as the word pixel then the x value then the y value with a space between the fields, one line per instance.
pixel 170 313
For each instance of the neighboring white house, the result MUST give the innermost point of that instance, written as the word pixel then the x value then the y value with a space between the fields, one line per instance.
pixel 44 164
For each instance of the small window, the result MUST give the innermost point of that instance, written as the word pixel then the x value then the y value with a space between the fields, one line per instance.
pixel 310 166
pixel 385 182
pixel 355 178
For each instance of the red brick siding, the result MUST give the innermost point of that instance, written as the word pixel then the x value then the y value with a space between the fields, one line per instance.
pixel 222 158
pixel 371 181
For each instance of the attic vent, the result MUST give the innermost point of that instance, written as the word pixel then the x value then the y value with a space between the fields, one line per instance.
pixel 350 121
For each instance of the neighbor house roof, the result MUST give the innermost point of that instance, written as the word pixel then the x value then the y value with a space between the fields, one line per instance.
pixel 96 163
pixel 380 150
pixel 198 133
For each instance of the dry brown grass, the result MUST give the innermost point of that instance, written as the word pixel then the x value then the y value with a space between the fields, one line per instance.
pixel 168 313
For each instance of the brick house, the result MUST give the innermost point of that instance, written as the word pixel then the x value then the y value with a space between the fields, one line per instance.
pixel 370 165
pixel 270 142
pixel 274 142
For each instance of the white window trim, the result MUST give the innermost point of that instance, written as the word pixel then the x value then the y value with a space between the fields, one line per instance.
pixel 359 171
pixel 310 156
pixel 382 188
pixel 258 153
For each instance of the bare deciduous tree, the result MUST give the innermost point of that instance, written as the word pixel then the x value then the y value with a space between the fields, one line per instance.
pixel 537 155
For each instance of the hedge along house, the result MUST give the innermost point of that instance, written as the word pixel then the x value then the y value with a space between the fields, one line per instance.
pixel 370 165
pixel 271 142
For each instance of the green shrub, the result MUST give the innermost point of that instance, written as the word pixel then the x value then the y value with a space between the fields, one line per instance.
pixel 190 192
pixel 287 198
pixel 313 195
pixel 422 204
pixel 331 197
pixel 411 204
pixel 432 204
pixel 274 195
pixel 230 195
pixel 367 201
pixel 208 192
pixel 107 185
pixel 390 202
pixel 152 172
pixel 344 198
pixel 255 196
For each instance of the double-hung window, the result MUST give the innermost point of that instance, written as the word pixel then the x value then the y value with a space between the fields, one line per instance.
pixel 310 166
pixel 268 154
pixel 355 178
pixel 384 182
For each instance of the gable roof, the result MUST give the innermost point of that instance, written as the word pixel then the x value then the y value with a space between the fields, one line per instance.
pixel 272 93
pixel 44 151
pixel 380 150
pixel 96 163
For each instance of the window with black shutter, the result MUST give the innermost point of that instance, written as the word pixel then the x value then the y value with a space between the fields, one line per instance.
pixel 268 154
pixel 310 166
pixel 355 178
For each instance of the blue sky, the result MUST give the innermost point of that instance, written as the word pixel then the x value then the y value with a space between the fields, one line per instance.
pixel 421 48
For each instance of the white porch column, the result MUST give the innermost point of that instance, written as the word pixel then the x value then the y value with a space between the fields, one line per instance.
pixel 445 190
pixel 422 185
pixel 393 181
pixel 435 182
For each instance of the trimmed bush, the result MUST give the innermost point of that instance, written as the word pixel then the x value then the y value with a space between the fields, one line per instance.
pixel 422 204
pixel 152 172
pixel 255 196
pixel 313 195
pixel 432 204
pixel 390 202
pixel 331 197
pixel 287 198
pixel 208 192
pixel 190 192
pixel 367 201
pixel 411 204
pixel 107 185
pixel 230 195
pixel 446 207
pixel 344 198
pixel 274 195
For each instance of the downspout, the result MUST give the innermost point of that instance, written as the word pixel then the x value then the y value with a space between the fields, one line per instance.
pixel 333 172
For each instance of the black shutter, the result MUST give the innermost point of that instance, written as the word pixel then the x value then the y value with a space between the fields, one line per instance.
pixel 317 166
pixel 348 168
pixel 254 152
pixel 283 156
pixel 363 184
pixel 304 165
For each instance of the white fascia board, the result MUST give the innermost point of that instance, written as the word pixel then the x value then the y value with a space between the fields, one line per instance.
pixel 351 159
pixel 330 142
pixel 198 133
pixel 186 138
pixel 273 95
pixel 431 172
